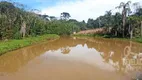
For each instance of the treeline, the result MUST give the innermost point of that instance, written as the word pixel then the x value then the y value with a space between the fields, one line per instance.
pixel 128 23
pixel 17 22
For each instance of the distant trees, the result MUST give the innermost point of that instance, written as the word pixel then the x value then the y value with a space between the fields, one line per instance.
pixel 52 18
pixel 90 23
pixel 108 20
pixel 61 27
pixel 65 16
pixel 139 12
pixel 16 22
pixel 117 23
pixel 126 24
pixel 44 16
pixel 81 25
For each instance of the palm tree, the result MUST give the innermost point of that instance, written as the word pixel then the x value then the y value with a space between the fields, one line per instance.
pixel 125 9
pixel 108 16
pixel 117 23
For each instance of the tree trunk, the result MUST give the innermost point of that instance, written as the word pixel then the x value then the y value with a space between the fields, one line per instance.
pixel 23 29
pixel 123 28
pixel 115 33
pixel 124 13
pixel 0 36
pixel 141 28
pixel 109 29
pixel 131 33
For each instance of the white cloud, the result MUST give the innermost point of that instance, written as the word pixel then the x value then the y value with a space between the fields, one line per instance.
pixel 84 9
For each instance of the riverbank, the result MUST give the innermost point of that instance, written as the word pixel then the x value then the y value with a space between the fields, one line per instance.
pixel 139 40
pixel 10 45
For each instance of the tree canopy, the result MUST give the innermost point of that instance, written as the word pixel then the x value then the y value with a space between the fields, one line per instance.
pixel 17 22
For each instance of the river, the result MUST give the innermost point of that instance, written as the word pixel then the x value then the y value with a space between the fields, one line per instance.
pixel 71 58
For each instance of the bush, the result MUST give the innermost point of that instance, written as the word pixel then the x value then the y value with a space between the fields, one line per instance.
pixel 17 35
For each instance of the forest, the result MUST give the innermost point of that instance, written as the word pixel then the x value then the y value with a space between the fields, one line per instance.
pixel 126 23
pixel 16 22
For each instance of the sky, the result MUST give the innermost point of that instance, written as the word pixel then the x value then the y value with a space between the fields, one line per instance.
pixel 78 9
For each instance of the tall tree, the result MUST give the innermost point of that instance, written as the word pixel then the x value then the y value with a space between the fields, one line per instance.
pixel 125 10
pixel 108 18
pixel 90 23
pixel 117 23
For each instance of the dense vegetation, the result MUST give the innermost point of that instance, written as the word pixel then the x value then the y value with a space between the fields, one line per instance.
pixel 17 22
pixel 127 24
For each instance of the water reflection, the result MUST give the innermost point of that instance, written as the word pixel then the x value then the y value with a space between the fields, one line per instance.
pixel 101 55
pixel 65 50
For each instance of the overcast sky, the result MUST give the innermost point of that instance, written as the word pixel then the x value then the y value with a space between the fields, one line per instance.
pixel 78 9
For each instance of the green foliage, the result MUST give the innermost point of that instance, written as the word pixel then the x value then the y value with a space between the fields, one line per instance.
pixel 6 46
pixel 17 35
pixel 90 23
pixel 138 39
pixel 62 27
pixel 120 24
pixel 81 25
pixel 12 18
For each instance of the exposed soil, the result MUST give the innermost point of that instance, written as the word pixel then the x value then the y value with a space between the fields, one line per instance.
pixel 93 31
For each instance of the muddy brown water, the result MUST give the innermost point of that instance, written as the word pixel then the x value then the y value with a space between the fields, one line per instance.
pixel 71 58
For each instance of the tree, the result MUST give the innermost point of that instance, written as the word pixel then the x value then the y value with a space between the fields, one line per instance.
pixel 65 16
pixel 52 18
pixel 23 29
pixel 90 23
pixel 17 22
pixel 139 12
pixel 141 28
pixel 81 25
pixel 117 24
pixel 108 20
pixel 44 16
pixel 8 16
pixel 125 10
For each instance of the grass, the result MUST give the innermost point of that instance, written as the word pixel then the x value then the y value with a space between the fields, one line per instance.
pixel 10 45
pixel 138 40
